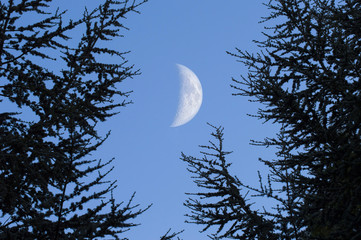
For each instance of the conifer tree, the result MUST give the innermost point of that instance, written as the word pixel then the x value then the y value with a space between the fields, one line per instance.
pixel 307 76
pixel 50 187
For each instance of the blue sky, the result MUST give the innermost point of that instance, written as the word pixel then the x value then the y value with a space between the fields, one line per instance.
pixel 196 34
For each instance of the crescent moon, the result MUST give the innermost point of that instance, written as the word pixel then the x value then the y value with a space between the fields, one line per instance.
pixel 190 96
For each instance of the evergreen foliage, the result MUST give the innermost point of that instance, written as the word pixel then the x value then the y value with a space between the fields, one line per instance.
pixel 308 78
pixel 50 187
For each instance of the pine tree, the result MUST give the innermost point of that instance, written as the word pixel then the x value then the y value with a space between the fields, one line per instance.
pixel 50 187
pixel 308 78
pixel 221 204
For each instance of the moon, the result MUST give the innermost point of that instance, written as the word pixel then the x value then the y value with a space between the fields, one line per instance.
pixel 190 96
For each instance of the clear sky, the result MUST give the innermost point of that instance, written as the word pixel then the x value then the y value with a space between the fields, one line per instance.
pixel 196 34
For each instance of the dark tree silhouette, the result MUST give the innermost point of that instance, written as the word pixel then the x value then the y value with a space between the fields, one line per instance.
pixel 171 236
pixel 50 187
pixel 308 78
pixel 221 204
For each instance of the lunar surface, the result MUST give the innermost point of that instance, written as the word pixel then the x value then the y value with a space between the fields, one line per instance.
pixel 190 96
